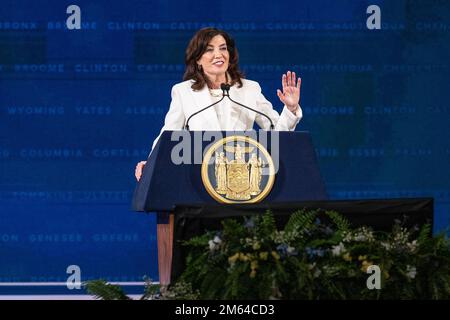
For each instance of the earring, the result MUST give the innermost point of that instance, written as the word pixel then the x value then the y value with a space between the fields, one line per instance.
pixel 199 66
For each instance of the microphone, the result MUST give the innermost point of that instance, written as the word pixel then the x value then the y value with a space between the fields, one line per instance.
pixel 225 89
pixel 226 93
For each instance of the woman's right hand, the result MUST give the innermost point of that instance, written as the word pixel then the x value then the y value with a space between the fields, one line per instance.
pixel 139 169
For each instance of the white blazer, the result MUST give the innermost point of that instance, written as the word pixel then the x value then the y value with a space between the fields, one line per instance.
pixel 186 101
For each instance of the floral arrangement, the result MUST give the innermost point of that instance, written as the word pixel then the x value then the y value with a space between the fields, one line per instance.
pixel 316 256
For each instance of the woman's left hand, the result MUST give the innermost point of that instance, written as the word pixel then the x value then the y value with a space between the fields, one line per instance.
pixel 290 96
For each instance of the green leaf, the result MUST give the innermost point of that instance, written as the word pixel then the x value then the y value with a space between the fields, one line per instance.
pixel 341 223
pixel 300 220
pixel 105 291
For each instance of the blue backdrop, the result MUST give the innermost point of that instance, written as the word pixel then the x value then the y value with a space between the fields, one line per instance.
pixel 79 108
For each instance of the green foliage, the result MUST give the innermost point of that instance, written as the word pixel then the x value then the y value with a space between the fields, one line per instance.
pixel 317 255
pixel 151 290
pixel 301 220
pixel 100 289
pixel 342 224
pixel 424 234
pixel 180 291
pixel 267 224
pixel 314 259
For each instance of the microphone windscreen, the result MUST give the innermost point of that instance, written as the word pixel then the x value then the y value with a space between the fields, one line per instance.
pixel 225 86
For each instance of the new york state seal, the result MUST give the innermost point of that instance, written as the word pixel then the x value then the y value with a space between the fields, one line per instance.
pixel 238 169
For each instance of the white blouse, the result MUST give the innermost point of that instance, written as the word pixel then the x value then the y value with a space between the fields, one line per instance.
pixel 226 110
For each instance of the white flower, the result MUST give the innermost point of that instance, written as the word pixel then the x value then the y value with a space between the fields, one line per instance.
pixel 364 234
pixel 215 243
pixel 412 246
pixel 290 249
pixel 386 245
pixel 338 250
pixel 279 237
pixel 411 272
pixel 317 273
pixel 217 240
pixel 360 235
pixel 347 236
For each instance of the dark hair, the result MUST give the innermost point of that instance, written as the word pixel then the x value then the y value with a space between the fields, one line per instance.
pixel 197 47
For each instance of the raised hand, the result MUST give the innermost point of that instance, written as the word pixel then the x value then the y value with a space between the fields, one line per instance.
pixel 290 96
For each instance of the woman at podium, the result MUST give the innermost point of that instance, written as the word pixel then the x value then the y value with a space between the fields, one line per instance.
pixel 212 60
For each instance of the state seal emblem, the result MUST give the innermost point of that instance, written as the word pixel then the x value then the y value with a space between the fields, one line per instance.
pixel 238 169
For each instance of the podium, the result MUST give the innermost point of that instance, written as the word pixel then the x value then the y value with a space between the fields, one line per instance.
pixel 172 176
